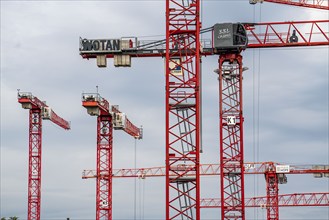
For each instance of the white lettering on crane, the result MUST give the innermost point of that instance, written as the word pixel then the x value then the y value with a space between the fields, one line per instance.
pixel 224 33
pixel 231 120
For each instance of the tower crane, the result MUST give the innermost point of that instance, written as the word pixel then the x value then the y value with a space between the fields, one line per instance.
pixel 183 51
pixel 275 174
pixel 108 118
pixel 285 200
pixel 250 168
pixel 38 111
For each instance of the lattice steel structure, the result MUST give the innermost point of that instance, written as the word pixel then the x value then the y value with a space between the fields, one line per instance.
pixel 108 117
pixel 318 4
pixel 182 108
pixel 231 137
pixel 38 111
pixel 182 68
pixel 35 148
pixel 272 191
pixel 284 200
pixel 104 165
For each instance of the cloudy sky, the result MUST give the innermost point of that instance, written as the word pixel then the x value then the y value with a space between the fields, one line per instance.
pixel 285 105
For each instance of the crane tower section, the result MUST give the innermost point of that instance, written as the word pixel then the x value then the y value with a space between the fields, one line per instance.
pixel 182 67
pixel 231 136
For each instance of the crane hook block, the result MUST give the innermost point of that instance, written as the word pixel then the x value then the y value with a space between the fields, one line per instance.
pixel 229 37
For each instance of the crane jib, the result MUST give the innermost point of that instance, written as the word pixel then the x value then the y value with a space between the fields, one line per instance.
pixel 109 45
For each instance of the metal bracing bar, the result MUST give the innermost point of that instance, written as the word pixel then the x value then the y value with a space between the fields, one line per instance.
pixel 184 199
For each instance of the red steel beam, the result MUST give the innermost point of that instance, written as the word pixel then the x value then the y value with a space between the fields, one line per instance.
pixel 288 34
pixel 205 170
pixel 260 35
pixel 284 200
pixel 318 4
pixel 182 109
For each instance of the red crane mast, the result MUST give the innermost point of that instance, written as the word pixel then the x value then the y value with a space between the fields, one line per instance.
pixel 182 69
pixel 108 117
pixel 231 136
pixel 38 111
